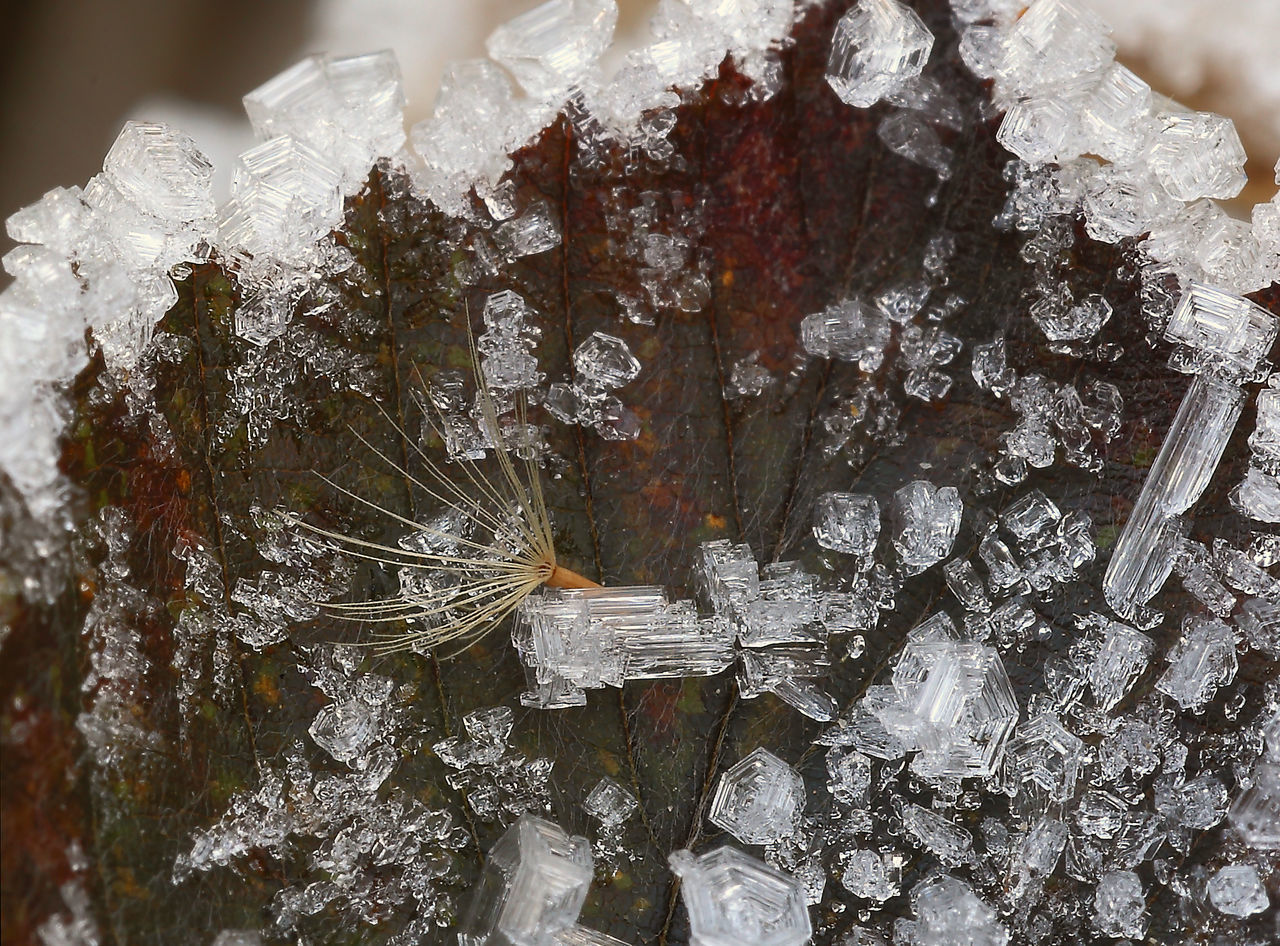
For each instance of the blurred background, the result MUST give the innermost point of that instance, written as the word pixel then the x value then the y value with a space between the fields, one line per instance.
pixel 71 71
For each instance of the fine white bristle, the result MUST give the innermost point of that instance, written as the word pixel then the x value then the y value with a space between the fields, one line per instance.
pixel 487 576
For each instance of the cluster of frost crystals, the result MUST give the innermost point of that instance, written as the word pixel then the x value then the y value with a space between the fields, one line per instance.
pixel 534 883
pixel 350 111
pixel 1162 166
pixel 369 849
pixel 950 702
pixel 878 46
pixel 555 47
pixel 601 364
pixel 98 260
pixel 781 621
pixel 116 683
pixel 477 122
pixel 75 927
pixel 1032 552
pixel 926 519
pixel 508 345
pixel 573 640
pixel 1119 905
pixel 759 800
pixel 948 911
pixel 499 784
pixel 732 898
pixel 612 806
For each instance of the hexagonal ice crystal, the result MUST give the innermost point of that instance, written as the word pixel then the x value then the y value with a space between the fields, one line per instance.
pixel 1053 45
pixel 877 47
pixel 1045 753
pixel 847 522
pixel 952 701
pixel 734 899
pixel 1197 154
pixel 534 882
pixel 759 800
pixel 162 171
pixel 554 46
pixel 926 519
pixel 1237 890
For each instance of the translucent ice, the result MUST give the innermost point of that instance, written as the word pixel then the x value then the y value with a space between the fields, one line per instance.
pixel 284 195
pixel 604 362
pixel 1228 330
pixel 1237 890
pixel 610 803
pixel 1119 905
pixel 350 110
pixel 952 700
pixel 1203 660
pixel 1143 555
pixel 848 330
pixel 948 912
pixel 925 520
pixel 1043 752
pixel 759 800
pixel 555 46
pixel 908 135
pixel 344 730
pixel 847 522
pixel 733 899
pixel 1052 47
pixel 877 46
pixel 161 171
pixel 1256 810
pixel 1119 657
pixel 950 843
pixel 1258 496
pixel 1197 154
pixel 534 882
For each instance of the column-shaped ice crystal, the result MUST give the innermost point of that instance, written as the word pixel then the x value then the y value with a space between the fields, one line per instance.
pixel 877 46
pixel 759 800
pixel 734 899
pixel 1119 656
pixel 589 638
pixel 848 330
pixel 555 46
pixel 1143 555
pixel 534 882
pixel 1203 660
pixel 925 520
pixel 729 575
pixel 847 522
pixel 1224 330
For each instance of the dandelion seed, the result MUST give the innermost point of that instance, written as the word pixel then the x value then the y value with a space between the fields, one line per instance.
pixel 469 567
